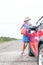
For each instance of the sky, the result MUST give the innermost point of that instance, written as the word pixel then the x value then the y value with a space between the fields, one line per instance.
pixel 13 13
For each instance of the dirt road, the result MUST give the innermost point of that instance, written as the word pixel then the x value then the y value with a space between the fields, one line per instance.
pixel 10 54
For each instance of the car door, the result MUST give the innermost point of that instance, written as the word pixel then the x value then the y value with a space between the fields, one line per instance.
pixel 35 37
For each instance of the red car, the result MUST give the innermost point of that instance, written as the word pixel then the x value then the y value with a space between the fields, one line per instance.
pixel 36 41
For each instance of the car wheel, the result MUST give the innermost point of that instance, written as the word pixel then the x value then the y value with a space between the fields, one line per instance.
pixel 40 55
pixel 30 52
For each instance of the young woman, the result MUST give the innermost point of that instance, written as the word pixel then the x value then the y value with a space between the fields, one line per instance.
pixel 25 38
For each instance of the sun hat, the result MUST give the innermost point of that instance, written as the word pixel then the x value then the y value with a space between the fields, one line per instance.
pixel 27 19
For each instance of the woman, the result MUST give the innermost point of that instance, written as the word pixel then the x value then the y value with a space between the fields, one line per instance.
pixel 25 38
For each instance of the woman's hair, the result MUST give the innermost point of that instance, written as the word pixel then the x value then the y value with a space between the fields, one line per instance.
pixel 26 20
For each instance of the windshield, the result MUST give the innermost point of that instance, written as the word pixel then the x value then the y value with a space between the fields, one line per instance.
pixel 40 23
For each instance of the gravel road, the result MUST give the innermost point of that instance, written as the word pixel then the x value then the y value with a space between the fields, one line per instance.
pixel 10 54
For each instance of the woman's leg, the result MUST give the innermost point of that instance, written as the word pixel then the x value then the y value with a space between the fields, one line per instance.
pixel 24 45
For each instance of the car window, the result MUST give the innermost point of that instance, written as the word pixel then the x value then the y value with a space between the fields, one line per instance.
pixel 41 26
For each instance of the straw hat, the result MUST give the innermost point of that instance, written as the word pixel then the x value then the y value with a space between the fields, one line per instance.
pixel 27 19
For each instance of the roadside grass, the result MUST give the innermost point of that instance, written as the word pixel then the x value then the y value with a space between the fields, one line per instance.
pixel 5 39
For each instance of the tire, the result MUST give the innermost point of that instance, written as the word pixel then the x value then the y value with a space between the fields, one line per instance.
pixel 30 51
pixel 40 55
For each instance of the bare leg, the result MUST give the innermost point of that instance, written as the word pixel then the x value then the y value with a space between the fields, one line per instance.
pixel 26 44
pixel 23 47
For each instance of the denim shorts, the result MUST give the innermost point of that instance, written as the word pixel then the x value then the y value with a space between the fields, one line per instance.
pixel 25 38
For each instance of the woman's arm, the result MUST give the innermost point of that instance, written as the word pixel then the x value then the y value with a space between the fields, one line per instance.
pixel 22 26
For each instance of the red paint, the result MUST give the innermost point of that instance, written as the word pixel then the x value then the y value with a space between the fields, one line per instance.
pixel 34 37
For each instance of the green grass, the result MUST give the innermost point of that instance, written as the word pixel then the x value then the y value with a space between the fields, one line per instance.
pixel 3 39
